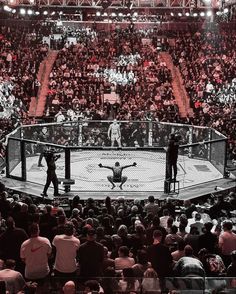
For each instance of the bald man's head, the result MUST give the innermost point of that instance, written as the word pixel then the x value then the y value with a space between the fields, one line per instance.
pixel 69 288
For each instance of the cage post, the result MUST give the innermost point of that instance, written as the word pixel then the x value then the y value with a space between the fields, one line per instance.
pixel 67 167
pixel 23 160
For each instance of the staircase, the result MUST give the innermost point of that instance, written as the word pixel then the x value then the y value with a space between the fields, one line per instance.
pixel 37 104
pixel 179 90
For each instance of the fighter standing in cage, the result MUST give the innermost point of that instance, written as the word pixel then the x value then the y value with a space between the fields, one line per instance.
pixel 114 133
pixel 117 174
pixel 51 158
pixel 43 137
pixel 172 157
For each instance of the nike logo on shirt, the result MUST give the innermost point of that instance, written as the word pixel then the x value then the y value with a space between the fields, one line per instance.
pixel 36 249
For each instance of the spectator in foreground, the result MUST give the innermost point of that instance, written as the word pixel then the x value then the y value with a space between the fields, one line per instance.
pixel 231 270
pixel 67 246
pixel 129 282
pixel 227 242
pixel 150 283
pixel 69 288
pixel 10 249
pixel 123 261
pixel 160 257
pixel 91 256
pixel 13 279
pixel 35 253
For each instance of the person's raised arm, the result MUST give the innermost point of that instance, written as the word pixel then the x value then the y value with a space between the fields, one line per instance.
pixel 109 132
pixel 104 166
pixel 134 164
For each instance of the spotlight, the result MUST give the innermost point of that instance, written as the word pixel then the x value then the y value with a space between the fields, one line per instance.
pixel 218 12
pixel 187 13
pixel 45 12
pixel 37 13
pixel 11 1
pixel 135 14
pixel 29 11
pixel 98 13
pixel 61 12
pixel 113 14
pixel 53 13
pixel 105 14
pixel 7 8
pixel 179 14
pixel 120 14
pixel 226 10
pixel 172 14
pixel 202 13
pixel 31 1
pixel 195 14
pixel 22 11
pixel 209 13
pixel 13 11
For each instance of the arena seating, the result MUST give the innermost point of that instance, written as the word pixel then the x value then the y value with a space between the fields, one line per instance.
pixel 208 66
pixel 125 228
pixel 124 65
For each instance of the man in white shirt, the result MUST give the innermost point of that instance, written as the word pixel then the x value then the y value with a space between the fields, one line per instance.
pixel 66 246
pixel 60 116
pixel 35 252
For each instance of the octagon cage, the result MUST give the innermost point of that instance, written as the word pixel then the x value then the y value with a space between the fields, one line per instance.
pixel 83 145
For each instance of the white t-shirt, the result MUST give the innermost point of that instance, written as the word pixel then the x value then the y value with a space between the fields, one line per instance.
pixel 35 251
pixel 123 262
pixel 67 247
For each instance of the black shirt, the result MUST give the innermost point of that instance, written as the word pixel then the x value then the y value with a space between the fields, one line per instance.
pixel 160 257
pixel 91 256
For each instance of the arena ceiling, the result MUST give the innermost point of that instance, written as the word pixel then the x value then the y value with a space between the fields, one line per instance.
pixel 121 4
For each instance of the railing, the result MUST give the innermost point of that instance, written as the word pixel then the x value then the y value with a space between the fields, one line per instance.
pixel 137 285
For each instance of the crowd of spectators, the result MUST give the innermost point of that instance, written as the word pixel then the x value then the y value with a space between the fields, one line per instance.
pixel 20 57
pixel 207 61
pixel 132 244
pixel 126 64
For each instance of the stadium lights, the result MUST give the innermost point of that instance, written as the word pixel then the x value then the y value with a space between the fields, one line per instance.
pixel 202 13
pixel 209 13
pixel 29 11
pixel 7 8
pixel 22 11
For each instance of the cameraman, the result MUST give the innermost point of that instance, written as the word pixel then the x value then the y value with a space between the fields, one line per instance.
pixel 51 158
